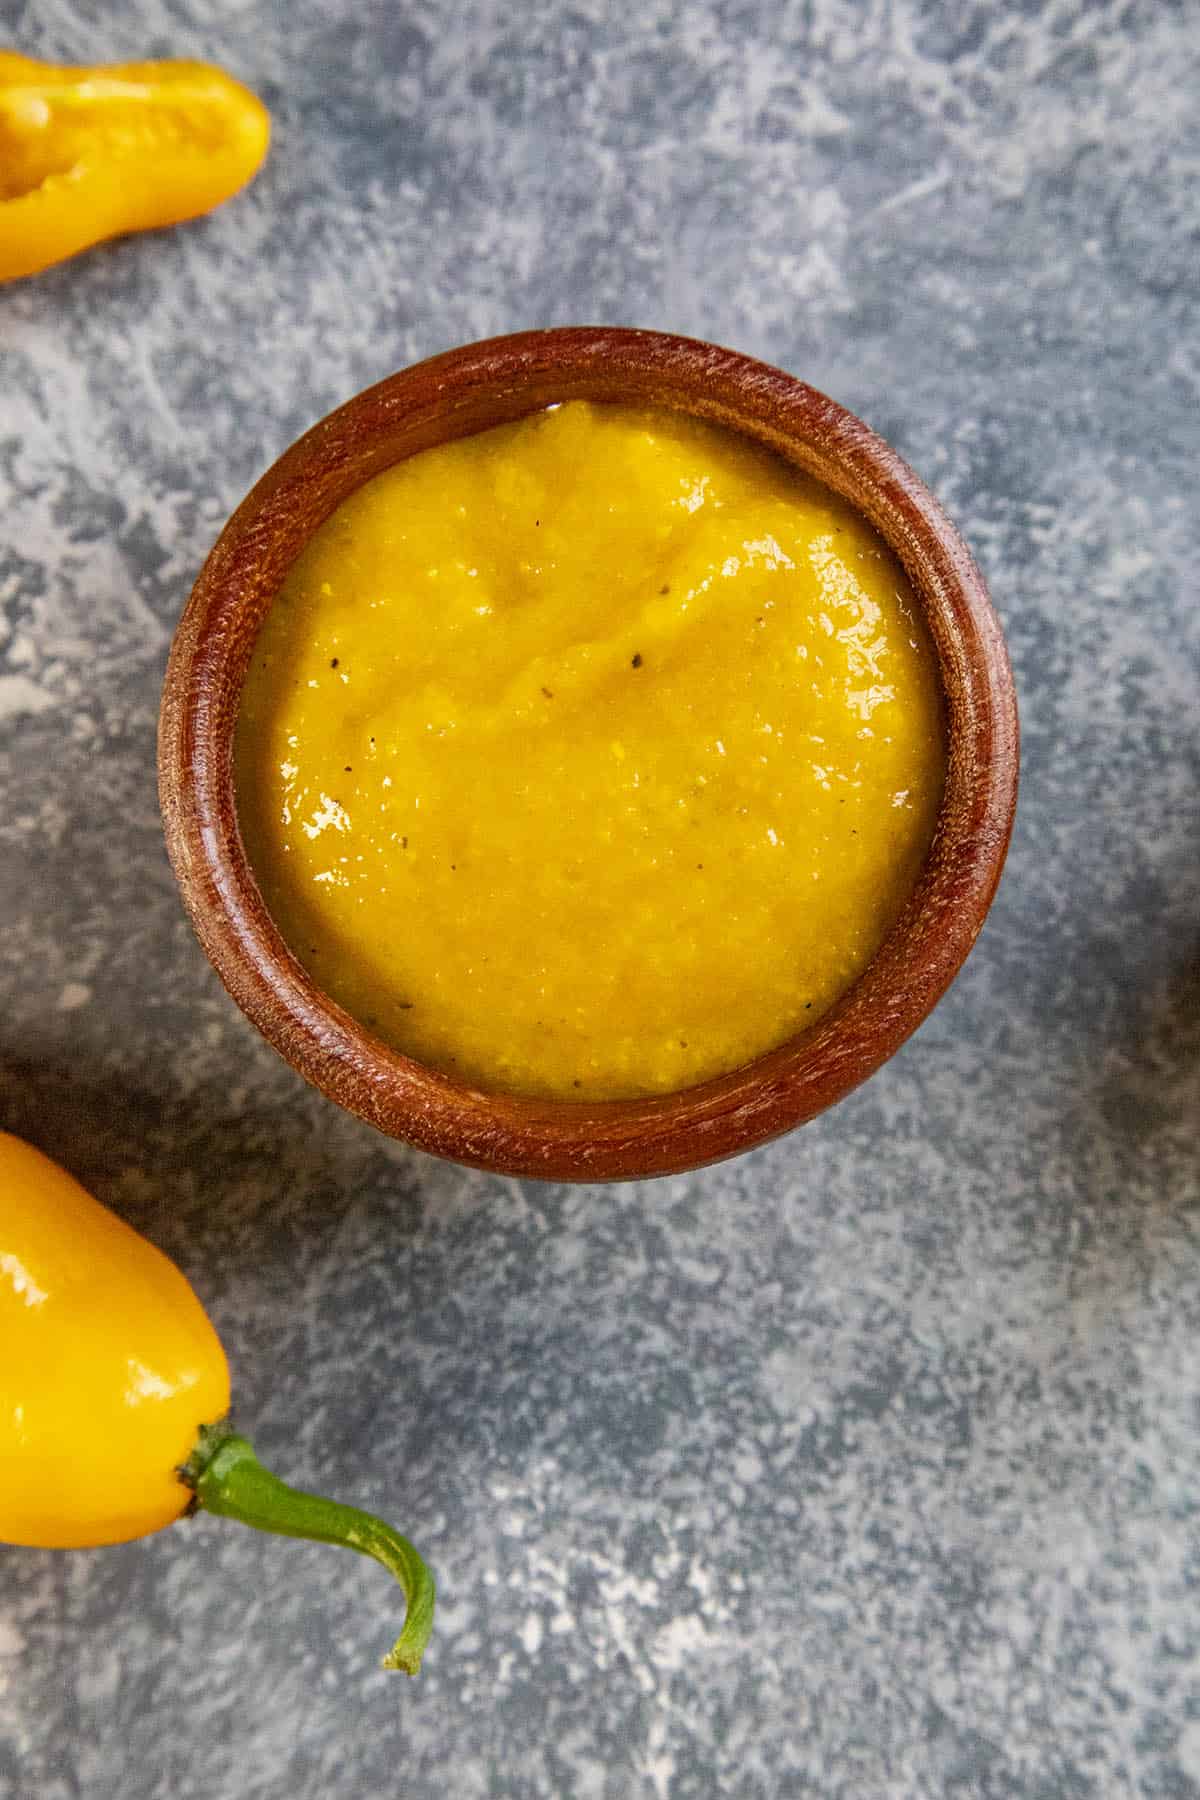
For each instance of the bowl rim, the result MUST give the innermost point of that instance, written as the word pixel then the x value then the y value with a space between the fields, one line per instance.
pixel 455 394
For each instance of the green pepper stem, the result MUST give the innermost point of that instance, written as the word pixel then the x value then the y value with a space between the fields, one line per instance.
pixel 227 1478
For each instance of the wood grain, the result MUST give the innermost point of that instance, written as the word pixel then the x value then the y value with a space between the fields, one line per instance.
pixel 452 396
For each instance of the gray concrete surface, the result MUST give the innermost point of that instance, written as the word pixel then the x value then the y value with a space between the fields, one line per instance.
pixel 866 1466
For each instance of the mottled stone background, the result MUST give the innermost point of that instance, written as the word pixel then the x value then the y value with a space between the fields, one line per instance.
pixel 868 1465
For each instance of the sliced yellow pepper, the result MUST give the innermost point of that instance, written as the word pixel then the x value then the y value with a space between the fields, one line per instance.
pixel 113 1394
pixel 89 154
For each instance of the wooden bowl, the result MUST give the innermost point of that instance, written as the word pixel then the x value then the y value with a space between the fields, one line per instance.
pixel 452 396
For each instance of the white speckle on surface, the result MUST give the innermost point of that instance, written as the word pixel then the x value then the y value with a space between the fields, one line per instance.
pixel 862 1466
pixel 1189 1749
pixel 18 694
pixel 72 995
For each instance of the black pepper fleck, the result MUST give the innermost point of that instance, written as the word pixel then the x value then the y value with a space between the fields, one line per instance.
pixel 665 588
pixel 333 662
pixel 637 661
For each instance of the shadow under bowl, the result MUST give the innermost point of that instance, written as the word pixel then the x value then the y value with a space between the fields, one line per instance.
pixel 452 396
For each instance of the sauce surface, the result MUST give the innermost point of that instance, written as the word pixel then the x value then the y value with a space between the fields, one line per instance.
pixel 591 756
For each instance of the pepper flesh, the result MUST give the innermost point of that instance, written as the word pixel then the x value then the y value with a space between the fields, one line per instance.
pixel 108 1366
pixel 92 153
pixel 113 1393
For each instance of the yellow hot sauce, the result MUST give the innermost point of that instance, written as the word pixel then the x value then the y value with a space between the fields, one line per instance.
pixel 591 756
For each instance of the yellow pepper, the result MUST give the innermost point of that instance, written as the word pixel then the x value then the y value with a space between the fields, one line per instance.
pixel 89 154
pixel 114 1390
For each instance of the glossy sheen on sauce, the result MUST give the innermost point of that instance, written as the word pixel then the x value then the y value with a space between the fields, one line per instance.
pixel 591 756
